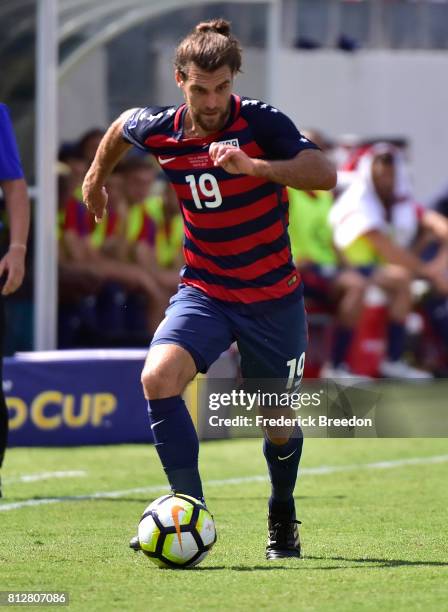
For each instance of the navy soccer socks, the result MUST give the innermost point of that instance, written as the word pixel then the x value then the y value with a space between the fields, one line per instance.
pixel 341 343
pixel 283 464
pixel 396 339
pixel 177 444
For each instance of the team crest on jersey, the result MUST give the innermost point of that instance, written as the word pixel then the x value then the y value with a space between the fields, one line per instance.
pixel 233 142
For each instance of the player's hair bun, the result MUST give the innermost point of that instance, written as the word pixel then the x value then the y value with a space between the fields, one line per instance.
pixel 209 46
pixel 220 26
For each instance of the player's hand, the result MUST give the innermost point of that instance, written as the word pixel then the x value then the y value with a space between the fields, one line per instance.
pixel 95 199
pixel 437 277
pixel 232 159
pixel 440 283
pixel 13 265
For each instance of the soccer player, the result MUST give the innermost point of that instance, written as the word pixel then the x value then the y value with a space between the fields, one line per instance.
pixel 12 264
pixel 228 159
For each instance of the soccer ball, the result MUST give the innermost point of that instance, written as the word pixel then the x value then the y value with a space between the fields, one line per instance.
pixel 176 531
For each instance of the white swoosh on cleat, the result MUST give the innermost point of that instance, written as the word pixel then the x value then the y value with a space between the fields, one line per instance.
pixel 156 423
pixel 166 160
pixel 287 456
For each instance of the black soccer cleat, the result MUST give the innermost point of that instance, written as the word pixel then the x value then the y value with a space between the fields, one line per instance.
pixel 134 544
pixel 283 538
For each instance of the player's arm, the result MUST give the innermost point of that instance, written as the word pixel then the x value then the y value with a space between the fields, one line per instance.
pixel 436 223
pixel 17 205
pixel 309 169
pixel 395 254
pixel 18 209
pixel 111 149
pixel 289 158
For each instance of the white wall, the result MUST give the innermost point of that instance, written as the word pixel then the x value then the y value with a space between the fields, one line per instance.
pixel 369 93
pixel 374 93
pixel 83 97
pixel 251 82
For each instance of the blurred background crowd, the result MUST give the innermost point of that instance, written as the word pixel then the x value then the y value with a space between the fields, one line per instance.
pixel 373 254
pixel 373 259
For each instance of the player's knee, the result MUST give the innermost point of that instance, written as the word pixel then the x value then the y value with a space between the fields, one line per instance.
pixel 278 435
pixel 400 277
pixel 404 279
pixel 360 283
pixel 277 439
pixel 160 381
pixel 358 287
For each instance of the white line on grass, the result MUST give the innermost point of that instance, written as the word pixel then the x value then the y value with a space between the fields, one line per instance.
pixel 315 471
pixel 46 476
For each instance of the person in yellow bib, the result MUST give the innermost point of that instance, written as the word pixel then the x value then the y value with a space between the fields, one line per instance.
pixel 95 250
pixel 141 233
pixel 169 236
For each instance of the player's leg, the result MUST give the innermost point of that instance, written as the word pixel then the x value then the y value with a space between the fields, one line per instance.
pixel 191 337
pixel 396 282
pixel 168 370
pixel 348 289
pixel 3 408
pixel 273 347
pixel 3 431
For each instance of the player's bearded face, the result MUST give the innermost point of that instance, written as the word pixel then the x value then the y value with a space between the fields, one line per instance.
pixel 208 96
pixel 211 119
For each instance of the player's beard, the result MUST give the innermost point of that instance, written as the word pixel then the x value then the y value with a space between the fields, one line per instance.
pixel 212 123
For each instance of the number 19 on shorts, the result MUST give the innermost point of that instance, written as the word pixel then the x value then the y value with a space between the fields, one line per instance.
pixel 296 367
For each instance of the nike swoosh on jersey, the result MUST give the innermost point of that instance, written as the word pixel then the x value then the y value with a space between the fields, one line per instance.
pixel 287 456
pixel 165 160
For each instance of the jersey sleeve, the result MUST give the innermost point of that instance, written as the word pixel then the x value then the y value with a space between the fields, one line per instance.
pixel 275 133
pixel 10 166
pixel 142 123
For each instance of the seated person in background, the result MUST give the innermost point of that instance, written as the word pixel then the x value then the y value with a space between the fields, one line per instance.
pixel 139 175
pixel 317 261
pixel 71 157
pixel 110 235
pixel 436 305
pixel 439 201
pixel 169 236
pixel 375 222
pixel 79 245
pixel 88 144
pixel 77 281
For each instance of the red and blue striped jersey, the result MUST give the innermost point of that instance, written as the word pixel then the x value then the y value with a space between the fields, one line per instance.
pixel 236 244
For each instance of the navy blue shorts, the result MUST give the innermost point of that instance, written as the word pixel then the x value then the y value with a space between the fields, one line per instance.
pixel 271 345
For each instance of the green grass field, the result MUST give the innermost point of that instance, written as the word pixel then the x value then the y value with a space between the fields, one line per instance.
pixel 374 537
